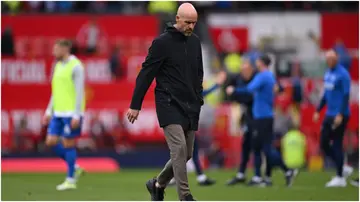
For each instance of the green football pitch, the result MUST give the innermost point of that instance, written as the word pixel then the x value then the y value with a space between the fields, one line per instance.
pixel 129 185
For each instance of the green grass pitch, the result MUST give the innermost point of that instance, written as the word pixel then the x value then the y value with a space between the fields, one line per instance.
pixel 130 185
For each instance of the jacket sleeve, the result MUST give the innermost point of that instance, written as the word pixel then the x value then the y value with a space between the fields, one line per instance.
pixel 346 84
pixel 256 83
pixel 210 90
pixel 150 68
pixel 200 76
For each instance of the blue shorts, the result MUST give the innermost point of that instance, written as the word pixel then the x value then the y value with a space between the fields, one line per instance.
pixel 61 126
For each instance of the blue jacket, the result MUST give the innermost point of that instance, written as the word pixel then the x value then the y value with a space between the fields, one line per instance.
pixel 262 88
pixel 337 84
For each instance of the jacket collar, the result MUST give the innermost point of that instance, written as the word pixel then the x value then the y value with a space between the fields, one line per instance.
pixel 175 32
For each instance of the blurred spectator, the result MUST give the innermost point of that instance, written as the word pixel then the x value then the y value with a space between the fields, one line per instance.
pixel 35 6
pixel 97 6
pixel 13 7
pixel 282 121
pixel 7 43
pixel 216 156
pixel 166 11
pixel 50 6
pixel 100 135
pixel 23 137
pixel 232 62
pixel 88 36
pixel 122 136
pixel 115 64
pixel 224 4
pixel 343 54
pixel 296 84
pixel 74 47
pixel 64 6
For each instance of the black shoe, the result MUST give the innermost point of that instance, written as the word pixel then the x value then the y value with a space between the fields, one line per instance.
pixel 266 183
pixel 189 198
pixel 290 178
pixel 157 194
pixel 254 183
pixel 207 182
pixel 235 180
pixel 355 182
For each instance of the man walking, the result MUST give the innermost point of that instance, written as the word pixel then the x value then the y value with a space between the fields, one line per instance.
pixel 337 84
pixel 175 60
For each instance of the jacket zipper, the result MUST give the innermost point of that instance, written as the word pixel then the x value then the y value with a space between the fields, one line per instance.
pixel 186 67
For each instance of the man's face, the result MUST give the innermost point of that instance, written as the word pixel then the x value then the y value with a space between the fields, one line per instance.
pixel 258 63
pixel 331 59
pixel 59 51
pixel 186 24
pixel 246 70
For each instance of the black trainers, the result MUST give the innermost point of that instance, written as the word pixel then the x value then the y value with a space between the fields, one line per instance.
pixel 157 194
pixel 255 183
pixel 289 177
pixel 235 180
pixel 189 198
pixel 266 183
pixel 207 182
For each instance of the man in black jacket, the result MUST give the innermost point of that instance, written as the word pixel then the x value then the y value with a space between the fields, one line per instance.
pixel 175 60
pixel 247 74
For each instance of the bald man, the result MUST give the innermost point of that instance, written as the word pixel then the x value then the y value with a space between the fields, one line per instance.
pixel 175 60
pixel 336 96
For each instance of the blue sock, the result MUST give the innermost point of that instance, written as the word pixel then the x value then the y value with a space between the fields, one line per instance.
pixel 70 157
pixel 59 150
pixel 257 163
pixel 196 159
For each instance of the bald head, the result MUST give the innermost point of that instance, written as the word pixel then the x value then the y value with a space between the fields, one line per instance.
pixel 247 70
pixel 331 58
pixel 186 18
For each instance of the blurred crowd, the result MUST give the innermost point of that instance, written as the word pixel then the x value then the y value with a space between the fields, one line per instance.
pixel 142 7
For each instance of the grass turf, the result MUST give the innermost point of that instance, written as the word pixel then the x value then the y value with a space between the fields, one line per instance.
pixel 130 185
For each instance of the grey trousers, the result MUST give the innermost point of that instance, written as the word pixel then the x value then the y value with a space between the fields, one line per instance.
pixel 181 145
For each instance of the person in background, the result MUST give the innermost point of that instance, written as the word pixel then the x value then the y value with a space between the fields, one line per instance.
pixel 336 96
pixel 263 86
pixel 64 6
pixel 115 64
pixel 65 111
pixel 232 62
pixel 13 7
pixel 7 42
pixel 88 36
pixel 165 10
pixel 247 74
pixel 293 148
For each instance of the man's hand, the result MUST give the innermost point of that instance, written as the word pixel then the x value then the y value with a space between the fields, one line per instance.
pixel 316 117
pixel 75 123
pixel 221 77
pixel 46 119
pixel 230 90
pixel 276 88
pixel 338 120
pixel 132 115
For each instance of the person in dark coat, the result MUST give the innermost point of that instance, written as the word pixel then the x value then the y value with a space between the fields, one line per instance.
pixel 175 60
